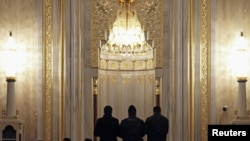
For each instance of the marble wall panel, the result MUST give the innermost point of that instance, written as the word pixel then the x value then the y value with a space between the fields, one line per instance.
pixel 230 19
pixel 21 17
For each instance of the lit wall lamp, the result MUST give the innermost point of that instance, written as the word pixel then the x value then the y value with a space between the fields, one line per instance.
pixel 241 59
pixel 10 117
pixel 10 66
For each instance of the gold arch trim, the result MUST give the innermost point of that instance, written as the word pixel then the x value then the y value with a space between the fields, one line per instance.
pixel 47 69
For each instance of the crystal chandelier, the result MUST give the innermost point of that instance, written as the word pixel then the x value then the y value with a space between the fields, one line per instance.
pixel 127 47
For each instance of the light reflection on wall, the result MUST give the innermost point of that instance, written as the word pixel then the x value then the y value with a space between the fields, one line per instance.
pixel 239 57
pixel 13 59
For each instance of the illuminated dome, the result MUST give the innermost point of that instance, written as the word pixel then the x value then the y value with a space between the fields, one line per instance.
pixel 126 47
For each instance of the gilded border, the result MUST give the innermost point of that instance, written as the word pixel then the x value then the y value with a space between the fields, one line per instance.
pixel 62 83
pixel 205 66
pixel 47 69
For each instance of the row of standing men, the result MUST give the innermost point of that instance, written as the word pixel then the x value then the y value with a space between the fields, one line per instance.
pixel 132 128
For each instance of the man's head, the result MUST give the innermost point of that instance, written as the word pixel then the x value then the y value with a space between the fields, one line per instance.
pixel 66 139
pixel 157 109
pixel 107 109
pixel 132 110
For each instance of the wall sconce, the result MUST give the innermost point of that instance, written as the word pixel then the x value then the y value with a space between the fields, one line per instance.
pixel 95 85
pixel 241 65
pixel 10 65
pixel 10 55
pixel 11 127
pixel 241 58
pixel 158 89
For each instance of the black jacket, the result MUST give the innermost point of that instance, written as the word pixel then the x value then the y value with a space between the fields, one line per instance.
pixel 132 129
pixel 107 128
pixel 156 127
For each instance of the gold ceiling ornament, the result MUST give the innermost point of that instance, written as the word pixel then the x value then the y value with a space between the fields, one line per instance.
pixel 126 1
pixel 126 40
pixel 150 15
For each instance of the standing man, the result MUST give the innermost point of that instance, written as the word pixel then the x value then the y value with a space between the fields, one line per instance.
pixel 156 126
pixel 132 128
pixel 107 126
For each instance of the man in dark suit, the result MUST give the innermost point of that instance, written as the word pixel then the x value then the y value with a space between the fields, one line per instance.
pixel 132 128
pixel 156 126
pixel 107 126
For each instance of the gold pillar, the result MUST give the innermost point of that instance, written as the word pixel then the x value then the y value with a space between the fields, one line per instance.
pixel 47 70
pixel 205 67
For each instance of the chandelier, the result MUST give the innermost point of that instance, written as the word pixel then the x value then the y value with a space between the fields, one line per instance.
pixel 127 47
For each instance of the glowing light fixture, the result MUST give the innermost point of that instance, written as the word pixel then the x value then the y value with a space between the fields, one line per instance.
pixel 10 58
pixel 126 28
pixel 10 65
pixel 241 58
pixel 126 41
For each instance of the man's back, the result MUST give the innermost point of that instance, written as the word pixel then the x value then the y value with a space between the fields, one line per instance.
pixel 132 128
pixel 107 128
pixel 156 127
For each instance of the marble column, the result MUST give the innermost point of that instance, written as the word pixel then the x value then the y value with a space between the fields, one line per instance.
pixel 39 131
pixel 11 100
pixel 242 102
pixel 242 117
